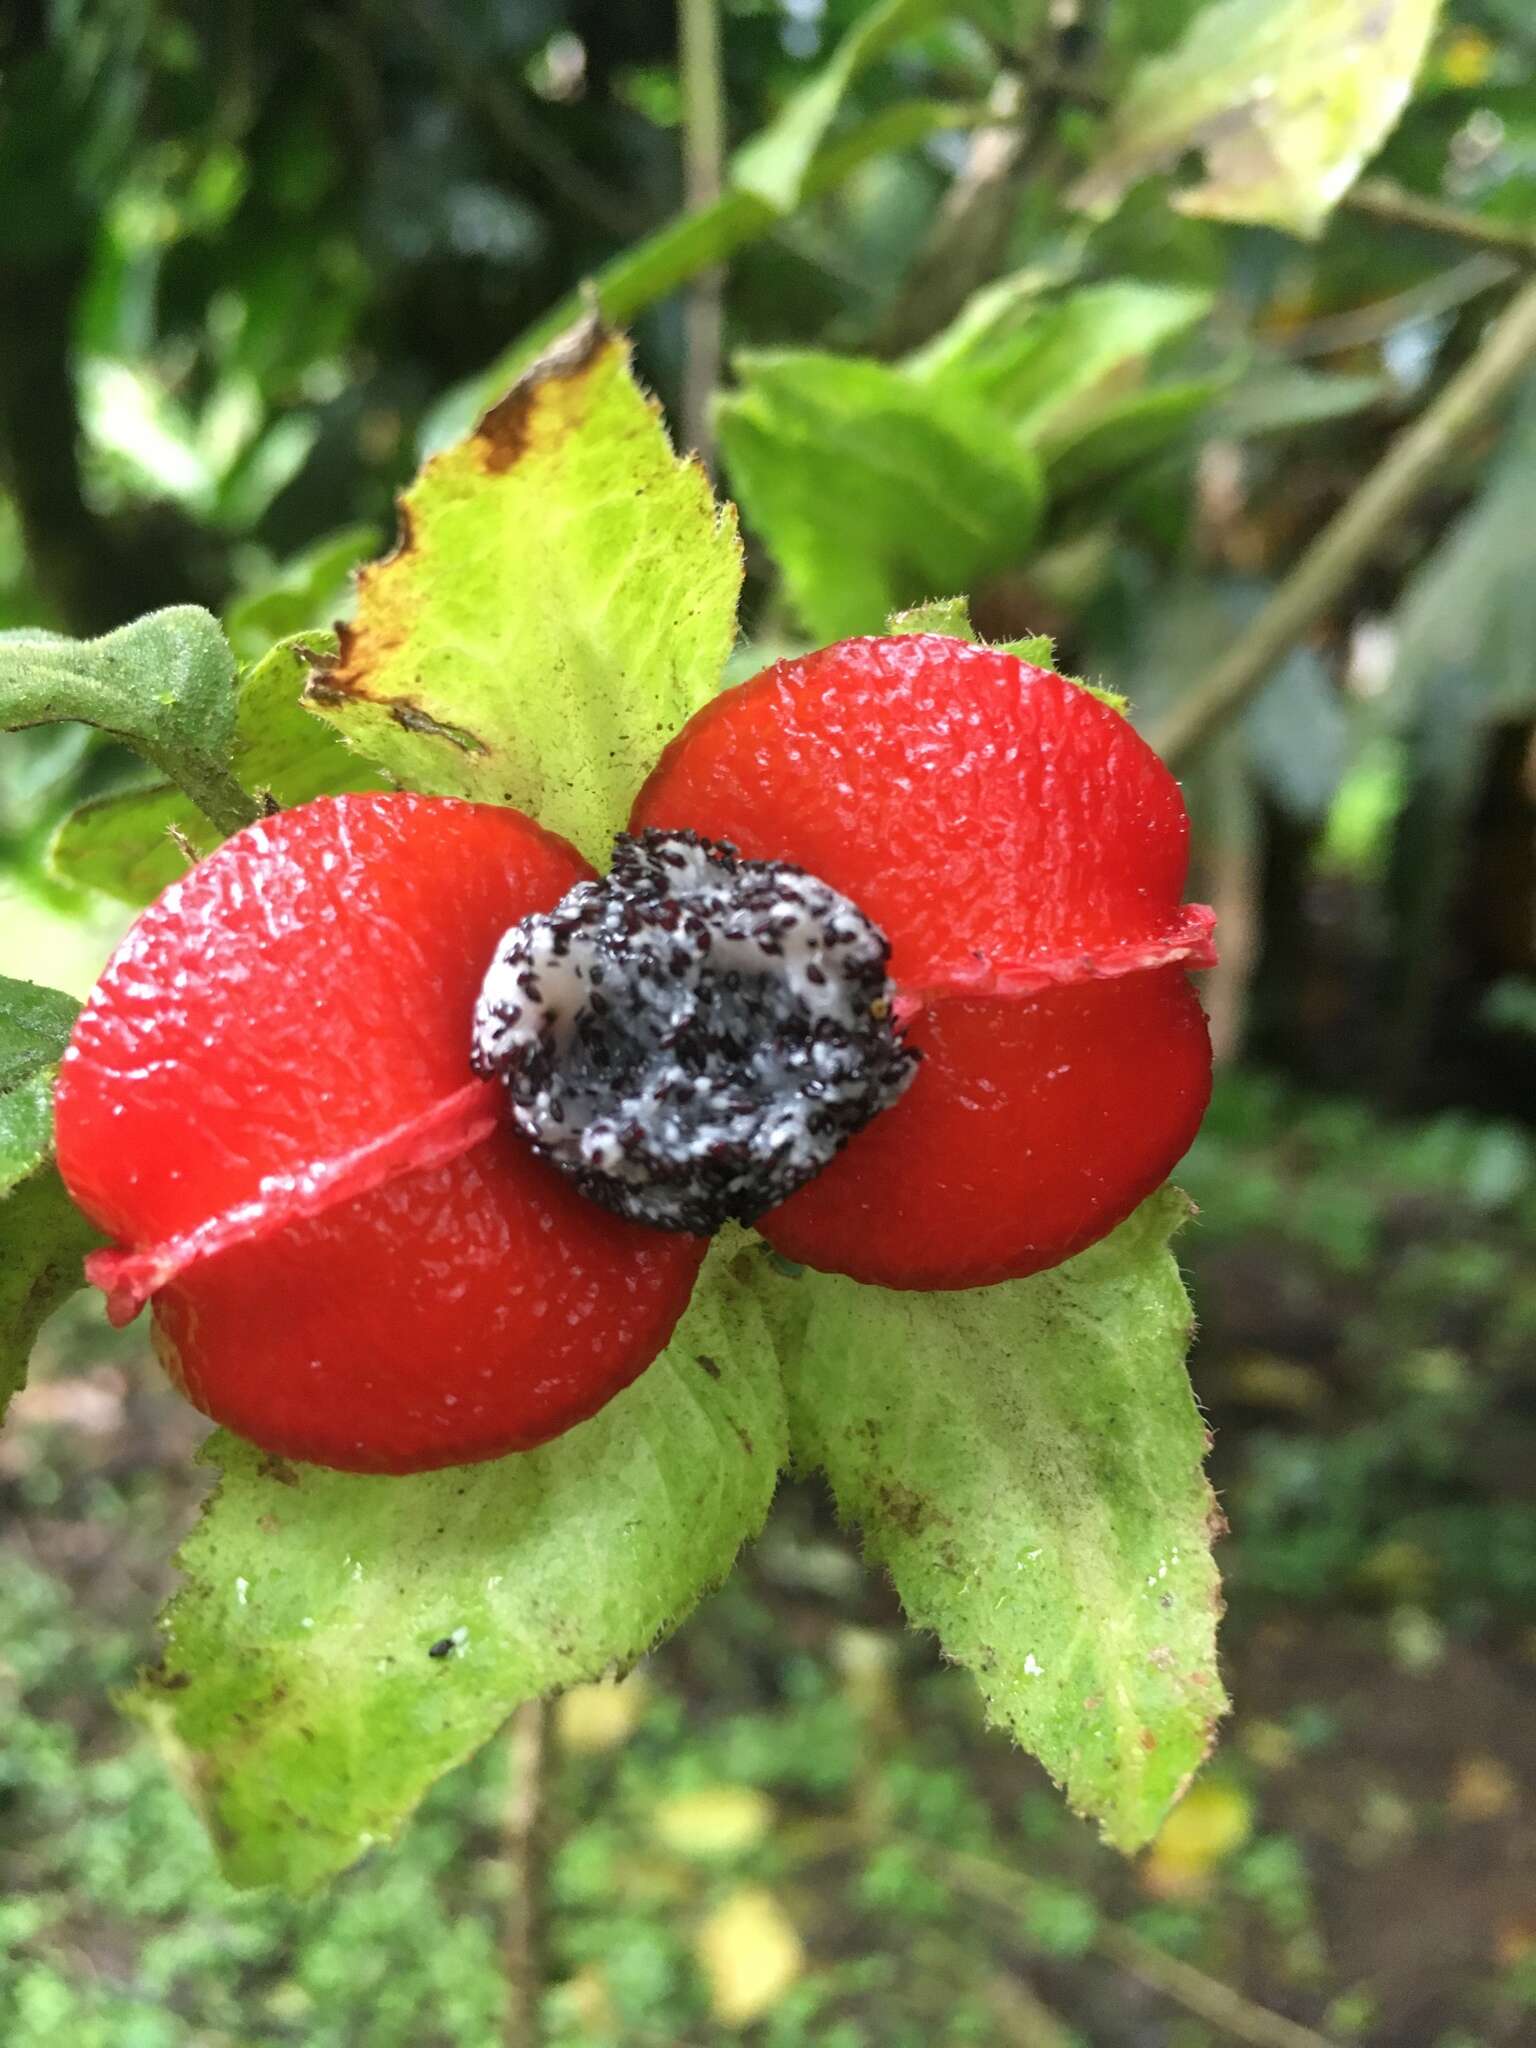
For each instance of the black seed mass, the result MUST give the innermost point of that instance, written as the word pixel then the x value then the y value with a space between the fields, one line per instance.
pixel 691 1039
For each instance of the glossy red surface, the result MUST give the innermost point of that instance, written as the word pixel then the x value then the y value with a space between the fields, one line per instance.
pixel 306 991
pixel 1025 851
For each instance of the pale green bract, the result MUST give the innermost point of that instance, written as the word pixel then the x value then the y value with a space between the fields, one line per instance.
pixel 951 616
pixel 299 1692
pixel 563 598
pixel 1026 1462
pixel 1288 99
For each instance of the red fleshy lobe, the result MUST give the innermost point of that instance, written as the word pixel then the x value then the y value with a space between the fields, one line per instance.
pixel 1025 851
pixel 267 1100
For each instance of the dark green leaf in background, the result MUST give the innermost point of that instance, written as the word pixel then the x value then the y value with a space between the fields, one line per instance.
pixel 774 164
pixel 873 493
pixel 132 844
pixel 35 1025
pixel 43 1243
pixel 165 685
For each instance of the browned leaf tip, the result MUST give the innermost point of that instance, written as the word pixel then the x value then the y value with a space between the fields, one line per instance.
pixel 503 433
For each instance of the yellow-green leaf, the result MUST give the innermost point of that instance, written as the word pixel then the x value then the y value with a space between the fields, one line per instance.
pixel 562 599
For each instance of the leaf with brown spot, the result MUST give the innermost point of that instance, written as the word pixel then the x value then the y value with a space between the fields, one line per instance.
pixel 1026 1461
pixel 341 1641
pixel 562 599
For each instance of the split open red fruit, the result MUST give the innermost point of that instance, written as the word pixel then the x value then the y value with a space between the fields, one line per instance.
pixel 1025 851
pixel 268 1097
pixel 354 1258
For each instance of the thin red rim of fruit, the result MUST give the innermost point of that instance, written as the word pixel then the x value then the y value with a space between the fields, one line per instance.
pixel 1191 943
pixel 436 1134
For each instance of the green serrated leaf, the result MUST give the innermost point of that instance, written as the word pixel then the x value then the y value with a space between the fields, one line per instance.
pixel 774 164
pixel 43 1243
pixel 300 1687
pixel 1048 366
pixel 870 490
pixel 563 599
pixel 130 845
pixel 947 615
pixel 164 685
pixel 1287 99
pixel 35 1024
pixel 1026 1461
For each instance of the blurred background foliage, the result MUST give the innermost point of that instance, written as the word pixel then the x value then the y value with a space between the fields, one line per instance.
pixel 253 262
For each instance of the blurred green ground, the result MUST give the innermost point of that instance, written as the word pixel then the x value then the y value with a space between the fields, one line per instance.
pixel 795 1806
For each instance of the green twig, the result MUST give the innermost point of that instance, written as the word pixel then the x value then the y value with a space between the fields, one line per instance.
pixel 979 1877
pixel 525 1832
pixel 1352 537
pixel 703 88
pixel 1379 199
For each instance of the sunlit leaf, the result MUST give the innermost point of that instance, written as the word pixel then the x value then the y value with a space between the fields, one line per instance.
pixel 133 843
pixel 563 598
pixel 1287 99
pixel 750 1955
pixel 340 1642
pixel 1026 1461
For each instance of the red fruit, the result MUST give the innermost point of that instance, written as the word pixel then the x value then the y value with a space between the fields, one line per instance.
pixel 1025 852
pixel 268 1098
